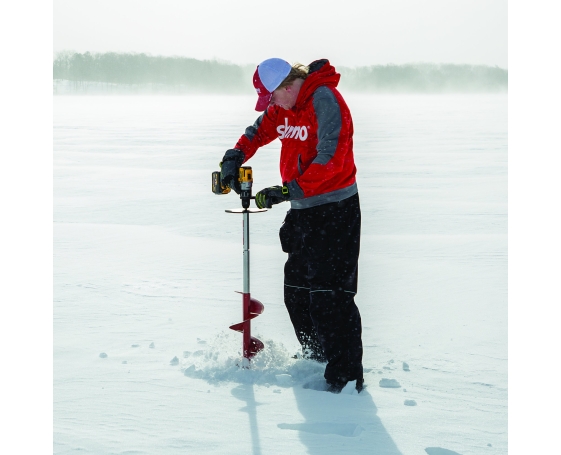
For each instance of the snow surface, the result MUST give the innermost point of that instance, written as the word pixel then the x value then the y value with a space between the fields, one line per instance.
pixel 146 263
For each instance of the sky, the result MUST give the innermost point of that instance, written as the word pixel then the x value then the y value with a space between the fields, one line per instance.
pixel 354 33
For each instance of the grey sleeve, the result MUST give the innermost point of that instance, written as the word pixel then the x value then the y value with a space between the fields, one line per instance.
pixel 250 131
pixel 328 114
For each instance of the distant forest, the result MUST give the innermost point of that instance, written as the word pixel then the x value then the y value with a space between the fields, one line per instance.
pixel 141 73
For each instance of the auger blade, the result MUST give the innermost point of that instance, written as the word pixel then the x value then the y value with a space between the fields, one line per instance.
pixel 238 327
pixel 255 346
pixel 255 307
pixel 251 309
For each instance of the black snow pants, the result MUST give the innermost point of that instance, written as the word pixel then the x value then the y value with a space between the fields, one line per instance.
pixel 320 282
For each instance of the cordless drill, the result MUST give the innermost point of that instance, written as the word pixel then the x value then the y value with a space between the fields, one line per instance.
pixel 245 178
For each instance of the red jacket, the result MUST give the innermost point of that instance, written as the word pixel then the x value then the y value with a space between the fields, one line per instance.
pixel 317 162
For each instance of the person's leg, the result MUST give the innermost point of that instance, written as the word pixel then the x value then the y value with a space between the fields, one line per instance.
pixel 297 290
pixel 331 244
pixel 339 326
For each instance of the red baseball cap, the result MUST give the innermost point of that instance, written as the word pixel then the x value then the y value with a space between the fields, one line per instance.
pixel 266 79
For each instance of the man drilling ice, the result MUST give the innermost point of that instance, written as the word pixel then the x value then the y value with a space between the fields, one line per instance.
pixel 321 232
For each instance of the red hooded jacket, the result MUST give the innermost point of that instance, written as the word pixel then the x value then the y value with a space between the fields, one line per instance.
pixel 317 162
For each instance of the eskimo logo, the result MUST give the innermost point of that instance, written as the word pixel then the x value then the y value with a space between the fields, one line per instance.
pixel 287 131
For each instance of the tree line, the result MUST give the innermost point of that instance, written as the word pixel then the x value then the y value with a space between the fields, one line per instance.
pixel 189 74
pixel 136 69
pixel 426 78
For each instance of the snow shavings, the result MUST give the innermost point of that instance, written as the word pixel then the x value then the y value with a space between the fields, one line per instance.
pixel 222 362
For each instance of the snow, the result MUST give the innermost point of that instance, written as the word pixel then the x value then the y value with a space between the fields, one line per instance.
pixel 389 383
pixel 146 263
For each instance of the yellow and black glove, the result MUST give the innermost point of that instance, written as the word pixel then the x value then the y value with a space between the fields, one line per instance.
pixel 266 198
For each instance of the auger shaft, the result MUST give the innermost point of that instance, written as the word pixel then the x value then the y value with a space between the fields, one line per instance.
pixel 246 294
pixel 245 254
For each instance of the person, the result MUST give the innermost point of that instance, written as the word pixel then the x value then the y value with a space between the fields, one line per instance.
pixel 321 232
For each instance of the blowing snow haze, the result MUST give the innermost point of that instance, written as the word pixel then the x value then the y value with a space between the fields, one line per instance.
pixel 141 73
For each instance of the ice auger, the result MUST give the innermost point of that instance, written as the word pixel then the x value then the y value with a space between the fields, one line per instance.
pixel 251 307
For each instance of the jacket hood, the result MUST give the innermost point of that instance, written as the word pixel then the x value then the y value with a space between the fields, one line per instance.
pixel 321 73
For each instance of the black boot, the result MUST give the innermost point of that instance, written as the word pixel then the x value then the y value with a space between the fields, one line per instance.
pixel 359 385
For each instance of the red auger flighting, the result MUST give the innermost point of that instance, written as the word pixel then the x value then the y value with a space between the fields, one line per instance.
pixel 251 307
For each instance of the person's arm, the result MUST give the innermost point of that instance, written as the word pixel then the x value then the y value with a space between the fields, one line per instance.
pixel 262 132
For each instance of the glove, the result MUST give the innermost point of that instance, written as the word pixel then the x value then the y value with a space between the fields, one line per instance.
pixel 267 197
pixel 229 169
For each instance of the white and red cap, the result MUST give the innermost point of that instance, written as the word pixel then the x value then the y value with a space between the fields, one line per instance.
pixel 268 76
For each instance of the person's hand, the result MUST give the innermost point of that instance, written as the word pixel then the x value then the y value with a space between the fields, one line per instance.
pixel 268 197
pixel 229 169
